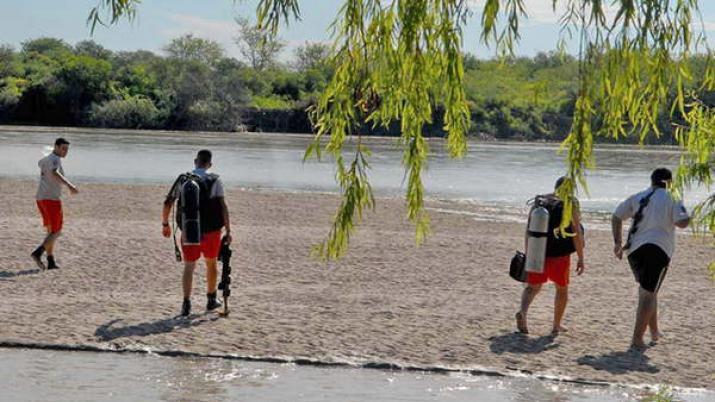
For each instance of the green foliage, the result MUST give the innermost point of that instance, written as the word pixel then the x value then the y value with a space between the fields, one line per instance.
pixel 9 65
pixel 390 62
pixel 213 115
pixel 188 48
pixel 80 81
pixel 697 138
pixel 133 112
pixel 11 90
pixel 270 102
pixel 312 55
pixel 664 394
pixel 51 47
pixel 259 48
pixel 356 197
pixel 92 49
pixel 110 11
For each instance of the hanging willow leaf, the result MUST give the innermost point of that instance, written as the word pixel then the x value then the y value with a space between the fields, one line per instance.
pixel 108 12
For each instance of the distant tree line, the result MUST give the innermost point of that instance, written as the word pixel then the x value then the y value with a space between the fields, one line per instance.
pixel 194 85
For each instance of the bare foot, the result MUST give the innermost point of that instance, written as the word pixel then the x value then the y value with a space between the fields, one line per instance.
pixel 521 323
pixel 655 336
pixel 559 330
pixel 639 346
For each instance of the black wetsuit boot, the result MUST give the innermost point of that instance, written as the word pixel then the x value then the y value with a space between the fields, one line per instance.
pixel 51 262
pixel 186 307
pixel 37 257
pixel 211 302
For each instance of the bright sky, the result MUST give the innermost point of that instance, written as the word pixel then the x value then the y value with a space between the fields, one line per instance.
pixel 161 20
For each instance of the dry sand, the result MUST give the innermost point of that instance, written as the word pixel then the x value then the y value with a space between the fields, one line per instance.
pixel 448 303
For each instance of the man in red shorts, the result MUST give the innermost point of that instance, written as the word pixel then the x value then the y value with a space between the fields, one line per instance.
pixel 213 217
pixel 48 198
pixel 557 264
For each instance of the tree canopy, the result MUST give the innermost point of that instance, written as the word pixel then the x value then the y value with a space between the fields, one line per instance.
pixel 398 61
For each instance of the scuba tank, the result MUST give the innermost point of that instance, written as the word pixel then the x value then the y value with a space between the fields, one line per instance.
pixel 537 233
pixel 190 219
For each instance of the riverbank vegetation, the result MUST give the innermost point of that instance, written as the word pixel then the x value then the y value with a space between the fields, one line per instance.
pixel 194 85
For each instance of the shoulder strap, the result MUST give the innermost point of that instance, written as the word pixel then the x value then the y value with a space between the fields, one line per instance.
pixel 179 180
pixel 638 217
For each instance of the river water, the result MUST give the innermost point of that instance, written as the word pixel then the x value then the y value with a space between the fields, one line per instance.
pixel 40 375
pixel 492 174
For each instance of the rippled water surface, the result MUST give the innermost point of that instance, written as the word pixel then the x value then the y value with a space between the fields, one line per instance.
pixel 40 375
pixel 492 173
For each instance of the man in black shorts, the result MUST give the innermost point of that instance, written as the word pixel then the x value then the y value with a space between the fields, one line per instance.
pixel 650 245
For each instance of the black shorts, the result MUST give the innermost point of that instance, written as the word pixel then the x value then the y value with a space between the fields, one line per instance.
pixel 649 264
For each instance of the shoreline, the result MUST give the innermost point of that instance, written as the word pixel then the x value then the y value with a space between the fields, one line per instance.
pixel 448 303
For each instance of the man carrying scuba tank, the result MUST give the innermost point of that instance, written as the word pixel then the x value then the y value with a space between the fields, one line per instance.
pixel 201 213
pixel 548 255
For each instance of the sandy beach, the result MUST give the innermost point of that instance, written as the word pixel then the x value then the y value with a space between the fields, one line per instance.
pixel 448 303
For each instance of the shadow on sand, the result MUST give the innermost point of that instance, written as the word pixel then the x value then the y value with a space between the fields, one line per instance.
pixel 619 362
pixel 15 274
pixel 111 330
pixel 520 343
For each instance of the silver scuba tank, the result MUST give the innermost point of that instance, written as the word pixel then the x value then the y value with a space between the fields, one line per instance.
pixel 537 233
pixel 190 218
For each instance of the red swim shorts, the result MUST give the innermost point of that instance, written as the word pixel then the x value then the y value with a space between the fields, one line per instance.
pixel 556 269
pixel 209 247
pixel 51 211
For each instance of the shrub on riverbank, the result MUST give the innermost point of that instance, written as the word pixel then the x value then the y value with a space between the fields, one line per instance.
pixel 134 112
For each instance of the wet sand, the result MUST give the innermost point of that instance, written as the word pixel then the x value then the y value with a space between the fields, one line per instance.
pixel 449 303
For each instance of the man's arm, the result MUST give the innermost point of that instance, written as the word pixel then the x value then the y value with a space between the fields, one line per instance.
pixel 617 230
pixel 165 211
pixel 56 173
pixel 168 203
pixel 226 219
pixel 680 215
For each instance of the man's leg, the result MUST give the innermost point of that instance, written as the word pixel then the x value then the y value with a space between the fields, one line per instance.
pixel 653 322
pixel 52 217
pixel 49 242
pixel 187 281
pixel 211 275
pixel 188 278
pixel 655 334
pixel 646 308
pixel 212 302
pixel 47 245
pixel 527 297
pixel 560 300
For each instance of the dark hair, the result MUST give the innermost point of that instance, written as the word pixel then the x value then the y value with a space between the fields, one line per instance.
pixel 660 176
pixel 61 141
pixel 559 182
pixel 203 157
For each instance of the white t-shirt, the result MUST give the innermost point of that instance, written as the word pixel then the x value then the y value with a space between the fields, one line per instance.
pixel 659 217
pixel 50 187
